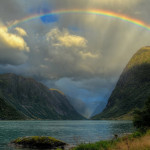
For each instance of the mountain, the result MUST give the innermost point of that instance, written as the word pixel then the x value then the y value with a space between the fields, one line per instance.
pixel 79 106
pixel 7 111
pixel 99 108
pixel 35 100
pixel 132 89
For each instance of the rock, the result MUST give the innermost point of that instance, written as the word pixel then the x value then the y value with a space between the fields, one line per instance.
pixel 38 142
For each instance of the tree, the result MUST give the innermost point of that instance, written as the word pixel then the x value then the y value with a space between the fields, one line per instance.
pixel 142 117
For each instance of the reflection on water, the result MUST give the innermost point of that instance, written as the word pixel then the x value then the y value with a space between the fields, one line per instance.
pixel 72 132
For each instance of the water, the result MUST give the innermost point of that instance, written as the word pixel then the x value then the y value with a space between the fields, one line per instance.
pixel 72 132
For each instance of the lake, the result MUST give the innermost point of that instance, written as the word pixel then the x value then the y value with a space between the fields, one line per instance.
pixel 72 132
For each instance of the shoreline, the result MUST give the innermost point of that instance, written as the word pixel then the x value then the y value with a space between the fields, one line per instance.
pixel 133 141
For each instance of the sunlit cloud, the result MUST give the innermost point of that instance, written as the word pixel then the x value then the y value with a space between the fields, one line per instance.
pixel 21 31
pixel 65 39
pixel 11 40
pixel 70 54
pixel 12 47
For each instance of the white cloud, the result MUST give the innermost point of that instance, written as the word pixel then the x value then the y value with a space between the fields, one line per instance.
pixel 12 47
pixel 12 41
pixel 21 31
pixel 64 38
pixel 88 55
pixel 69 55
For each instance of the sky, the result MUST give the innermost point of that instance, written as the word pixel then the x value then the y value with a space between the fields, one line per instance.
pixel 81 54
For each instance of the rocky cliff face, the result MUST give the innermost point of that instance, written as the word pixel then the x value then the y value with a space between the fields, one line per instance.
pixel 132 89
pixel 35 100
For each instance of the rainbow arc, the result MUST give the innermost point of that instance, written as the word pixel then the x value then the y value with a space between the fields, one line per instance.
pixel 85 11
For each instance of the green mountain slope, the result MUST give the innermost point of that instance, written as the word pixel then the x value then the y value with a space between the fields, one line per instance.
pixel 34 99
pixel 132 89
pixel 7 111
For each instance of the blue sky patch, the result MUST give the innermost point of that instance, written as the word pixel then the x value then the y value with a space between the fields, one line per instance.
pixel 49 18
pixel 46 9
pixel 74 28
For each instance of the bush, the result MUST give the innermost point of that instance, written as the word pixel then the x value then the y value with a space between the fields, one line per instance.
pixel 142 117
pixel 137 134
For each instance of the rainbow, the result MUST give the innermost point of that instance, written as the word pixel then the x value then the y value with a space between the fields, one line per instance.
pixel 85 11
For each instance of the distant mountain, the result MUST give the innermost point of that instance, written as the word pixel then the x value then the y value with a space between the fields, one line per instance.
pixel 79 106
pixel 132 89
pixel 99 108
pixel 35 100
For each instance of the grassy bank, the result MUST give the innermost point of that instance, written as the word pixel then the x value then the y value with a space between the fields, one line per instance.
pixel 135 141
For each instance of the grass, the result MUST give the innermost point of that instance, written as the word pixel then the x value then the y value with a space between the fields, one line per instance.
pixel 135 141
pixel 142 143
pixel 102 145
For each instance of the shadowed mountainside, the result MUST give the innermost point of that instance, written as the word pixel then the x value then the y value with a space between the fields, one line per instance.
pixel 35 100
pixel 7 111
pixel 99 108
pixel 132 89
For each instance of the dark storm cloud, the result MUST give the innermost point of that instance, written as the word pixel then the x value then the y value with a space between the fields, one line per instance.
pixel 11 10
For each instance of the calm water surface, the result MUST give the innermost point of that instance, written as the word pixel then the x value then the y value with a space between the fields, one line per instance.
pixel 72 132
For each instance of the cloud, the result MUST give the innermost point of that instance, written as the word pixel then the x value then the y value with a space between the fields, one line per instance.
pixel 115 2
pixel 12 10
pixel 69 54
pixel 98 3
pixel 88 55
pixel 110 5
pixel 65 39
pixel 12 41
pixel 21 31
pixel 12 47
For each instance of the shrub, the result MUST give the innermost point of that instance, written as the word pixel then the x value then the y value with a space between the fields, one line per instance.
pixel 142 117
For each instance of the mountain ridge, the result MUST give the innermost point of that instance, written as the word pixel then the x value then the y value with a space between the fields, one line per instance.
pixel 35 100
pixel 132 88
